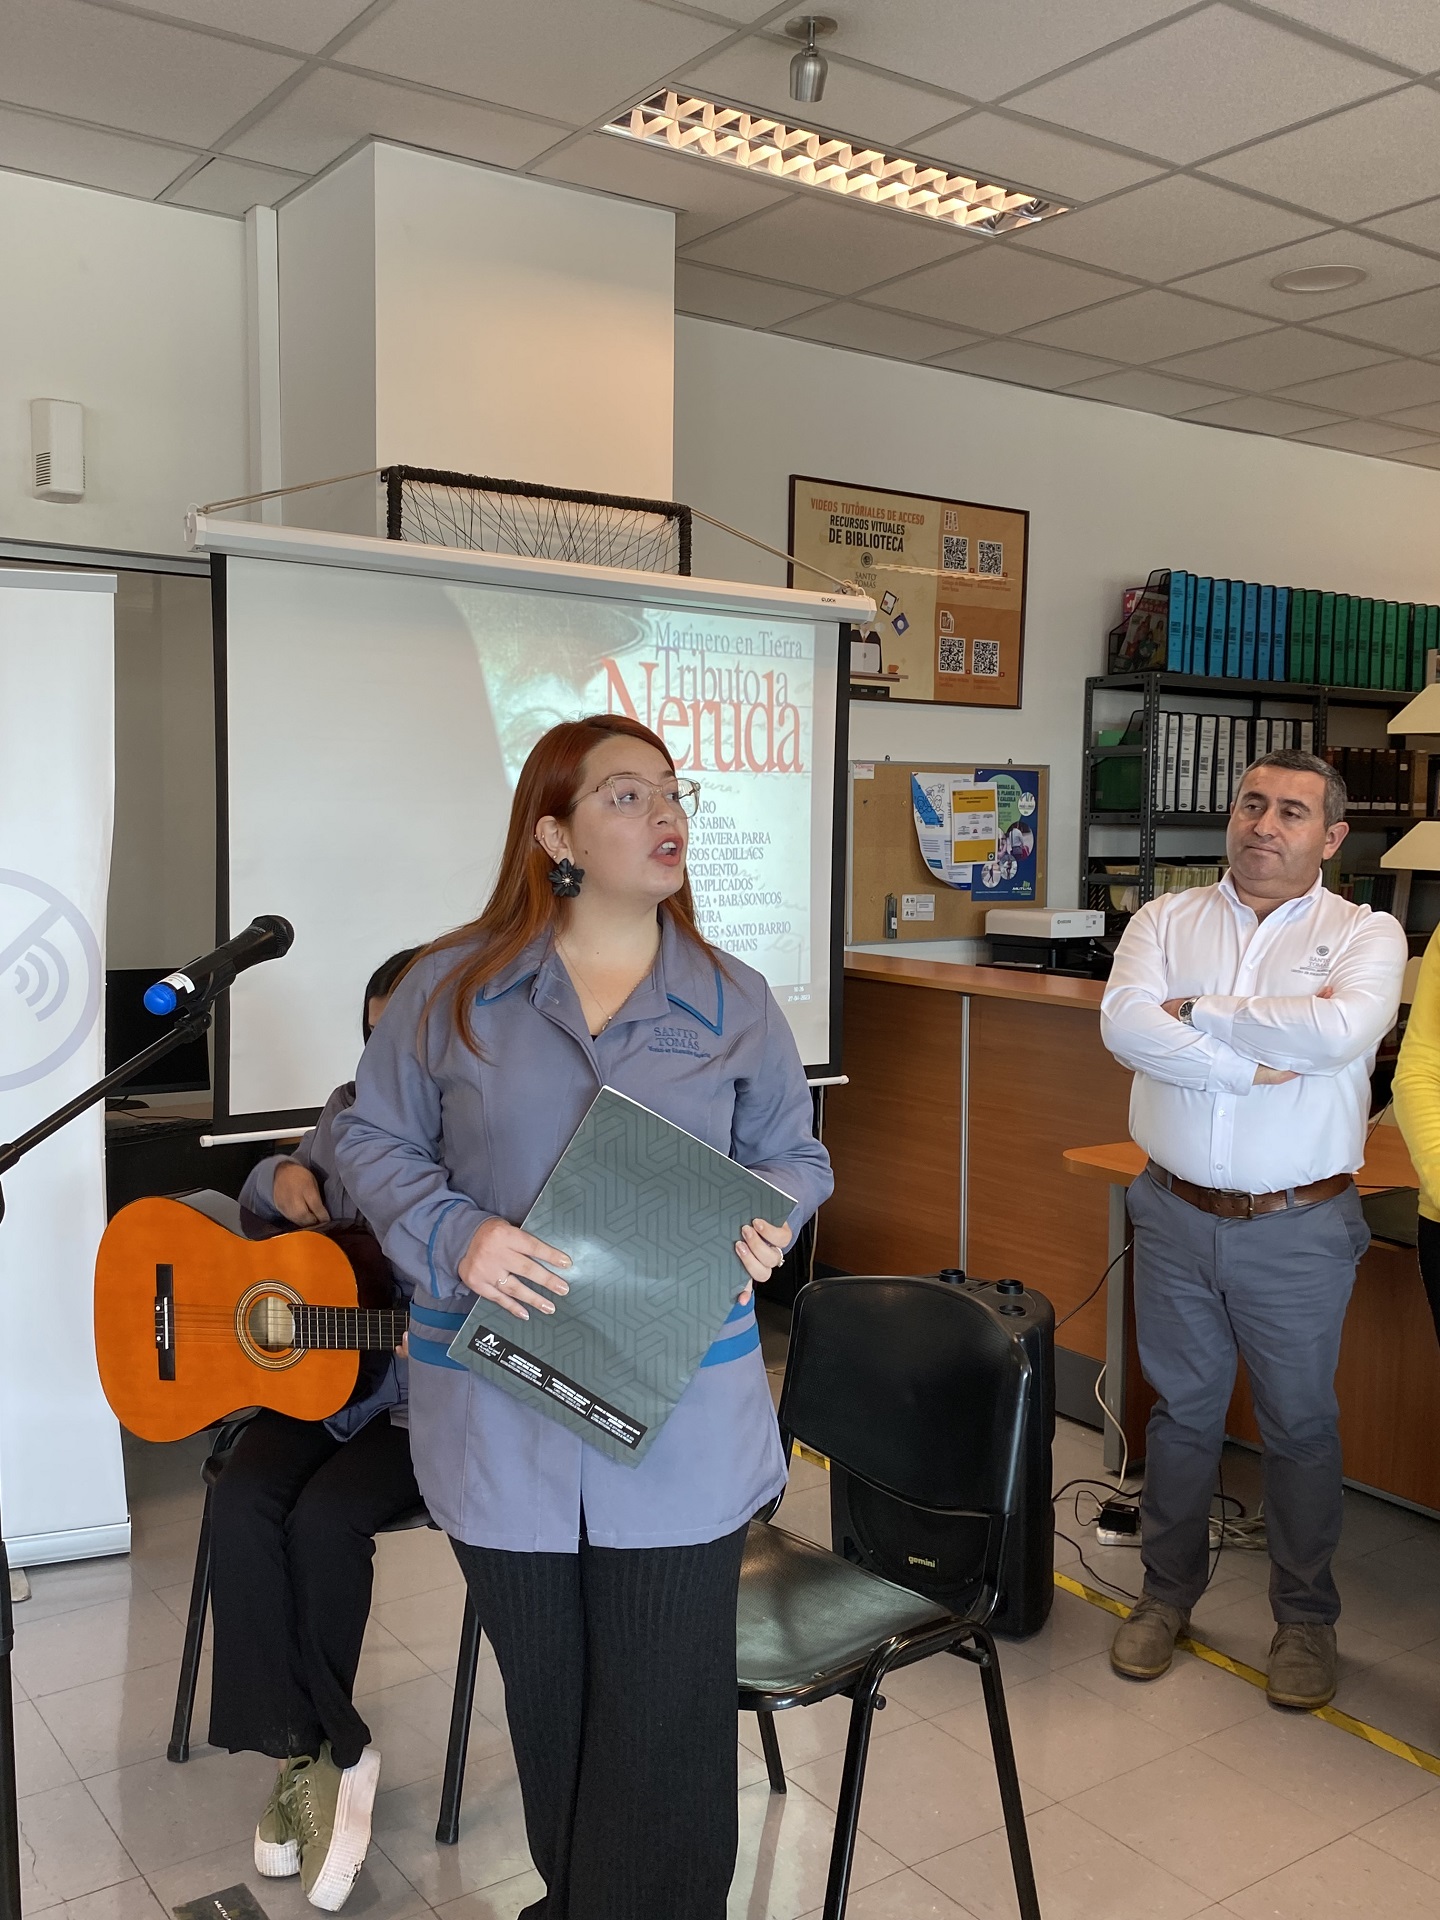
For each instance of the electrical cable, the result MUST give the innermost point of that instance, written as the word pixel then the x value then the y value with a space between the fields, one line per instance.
pixel 1098 1284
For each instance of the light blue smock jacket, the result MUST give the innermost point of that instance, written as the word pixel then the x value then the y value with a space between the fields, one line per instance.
pixel 438 1142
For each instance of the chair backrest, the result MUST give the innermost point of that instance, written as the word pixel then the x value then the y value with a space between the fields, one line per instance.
pixel 913 1385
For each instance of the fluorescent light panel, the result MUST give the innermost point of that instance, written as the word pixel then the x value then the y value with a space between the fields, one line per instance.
pixel 738 137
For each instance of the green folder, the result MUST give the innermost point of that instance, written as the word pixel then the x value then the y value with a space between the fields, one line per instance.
pixel 1310 637
pixel 649 1216
pixel 1325 641
pixel 1295 643
pixel 1392 641
pixel 1364 644
pixel 1352 642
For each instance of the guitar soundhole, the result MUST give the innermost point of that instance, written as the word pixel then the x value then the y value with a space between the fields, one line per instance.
pixel 265 1324
pixel 272 1324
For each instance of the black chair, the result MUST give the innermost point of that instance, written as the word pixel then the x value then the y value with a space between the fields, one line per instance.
pixel 918 1392
pixel 447 1829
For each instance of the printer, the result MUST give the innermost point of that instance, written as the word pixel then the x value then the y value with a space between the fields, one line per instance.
pixel 1068 940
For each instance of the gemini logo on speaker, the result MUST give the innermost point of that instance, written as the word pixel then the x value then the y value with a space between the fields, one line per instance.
pixel 50 979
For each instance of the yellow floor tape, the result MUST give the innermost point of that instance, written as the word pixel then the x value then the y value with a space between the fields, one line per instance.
pixel 1212 1656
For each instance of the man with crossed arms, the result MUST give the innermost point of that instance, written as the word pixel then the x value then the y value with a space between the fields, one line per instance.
pixel 1250 1013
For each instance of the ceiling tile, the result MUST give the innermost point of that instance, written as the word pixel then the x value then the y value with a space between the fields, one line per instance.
pixel 1151 325
pixel 306 27
pixel 1383 154
pixel 875 330
pixel 1023 364
pixel 1018 153
pixel 1251 415
pixel 1386 389
pixel 329 111
pixel 816 240
pixel 231 186
pixel 1202 84
pixel 1364 436
pixel 1419 226
pixel 998 289
pixel 122 71
pixel 34 143
pixel 859 104
pixel 1246 283
pixel 1275 359
pixel 1405 31
pixel 1410 324
pixel 730 296
pixel 704 196
pixel 1422 419
pixel 1170 227
pixel 1419 456
pixel 983 48
pixel 743 12
pixel 1148 392
pixel 568 59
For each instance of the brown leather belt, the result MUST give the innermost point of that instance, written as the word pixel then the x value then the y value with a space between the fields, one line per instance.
pixel 1245 1206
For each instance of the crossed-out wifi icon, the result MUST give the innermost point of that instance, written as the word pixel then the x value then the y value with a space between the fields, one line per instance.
pixel 50 979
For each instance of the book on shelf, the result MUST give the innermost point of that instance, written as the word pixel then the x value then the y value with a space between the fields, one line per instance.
pixel 1264 631
pixel 1199 758
pixel 1390 780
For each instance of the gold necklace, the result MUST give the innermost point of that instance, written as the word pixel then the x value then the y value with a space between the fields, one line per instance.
pixel 578 975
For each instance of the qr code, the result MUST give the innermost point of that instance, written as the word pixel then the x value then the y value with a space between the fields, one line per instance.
pixel 952 655
pixel 985 658
pixel 956 557
pixel 992 556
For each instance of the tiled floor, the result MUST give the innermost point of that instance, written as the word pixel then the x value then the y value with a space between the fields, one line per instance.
pixel 1189 1797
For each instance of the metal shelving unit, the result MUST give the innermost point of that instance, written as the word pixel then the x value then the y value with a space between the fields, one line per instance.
pixel 1239 696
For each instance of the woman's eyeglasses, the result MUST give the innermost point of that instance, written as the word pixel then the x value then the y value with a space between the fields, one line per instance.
pixel 637 798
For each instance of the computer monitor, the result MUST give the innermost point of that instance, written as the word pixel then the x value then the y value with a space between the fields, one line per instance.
pixel 129 1027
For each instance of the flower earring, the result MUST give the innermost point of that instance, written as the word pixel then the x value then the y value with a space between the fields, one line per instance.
pixel 565 878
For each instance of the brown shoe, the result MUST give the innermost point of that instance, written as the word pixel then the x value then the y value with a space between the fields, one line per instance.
pixel 1304 1665
pixel 1144 1644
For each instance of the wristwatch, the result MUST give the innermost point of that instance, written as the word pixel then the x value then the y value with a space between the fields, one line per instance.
pixel 1186 1009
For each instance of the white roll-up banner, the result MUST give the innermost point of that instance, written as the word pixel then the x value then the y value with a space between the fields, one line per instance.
pixel 377 703
pixel 62 1483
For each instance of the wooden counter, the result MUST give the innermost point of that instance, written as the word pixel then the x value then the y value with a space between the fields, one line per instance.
pixel 975 1096
pixel 967 1084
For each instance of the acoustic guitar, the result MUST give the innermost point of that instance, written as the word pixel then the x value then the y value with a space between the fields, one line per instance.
pixel 193 1321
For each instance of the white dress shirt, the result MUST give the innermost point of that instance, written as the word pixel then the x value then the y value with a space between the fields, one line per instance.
pixel 1194 1105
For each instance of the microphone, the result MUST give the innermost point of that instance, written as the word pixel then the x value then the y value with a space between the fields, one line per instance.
pixel 266 938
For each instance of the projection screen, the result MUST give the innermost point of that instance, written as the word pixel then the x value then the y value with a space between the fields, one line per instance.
pixel 375 702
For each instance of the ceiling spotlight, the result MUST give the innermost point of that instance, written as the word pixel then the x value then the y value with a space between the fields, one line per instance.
pixel 809 67
pixel 1319 279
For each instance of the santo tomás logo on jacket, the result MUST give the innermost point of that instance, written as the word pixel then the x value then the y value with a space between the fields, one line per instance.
pixel 679 1039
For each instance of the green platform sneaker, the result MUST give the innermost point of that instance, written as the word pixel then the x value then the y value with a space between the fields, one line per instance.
pixel 277 1846
pixel 329 1809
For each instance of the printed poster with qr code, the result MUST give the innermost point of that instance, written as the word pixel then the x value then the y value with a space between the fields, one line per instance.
pixel 947 578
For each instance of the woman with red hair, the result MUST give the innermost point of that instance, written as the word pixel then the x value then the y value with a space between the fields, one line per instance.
pixel 608 1591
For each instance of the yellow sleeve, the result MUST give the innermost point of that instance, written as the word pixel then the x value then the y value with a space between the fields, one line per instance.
pixel 1417 1081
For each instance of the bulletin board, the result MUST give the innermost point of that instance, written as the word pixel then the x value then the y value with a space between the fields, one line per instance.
pixel 947 578
pixel 885 855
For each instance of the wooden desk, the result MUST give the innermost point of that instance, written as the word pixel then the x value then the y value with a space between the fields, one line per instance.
pixel 966 1085
pixel 1388 1380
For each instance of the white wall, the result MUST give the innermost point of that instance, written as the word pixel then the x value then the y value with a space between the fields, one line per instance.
pixel 136 311
pixel 440 314
pixel 327 347
pixel 1111 494
pixel 523 329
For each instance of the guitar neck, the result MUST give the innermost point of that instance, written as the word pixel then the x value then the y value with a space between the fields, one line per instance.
pixel 351 1329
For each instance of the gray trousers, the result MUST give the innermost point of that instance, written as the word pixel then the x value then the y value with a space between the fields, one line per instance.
pixel 1273 1289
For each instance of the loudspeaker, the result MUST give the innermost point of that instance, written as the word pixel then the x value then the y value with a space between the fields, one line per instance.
pixel 942 1558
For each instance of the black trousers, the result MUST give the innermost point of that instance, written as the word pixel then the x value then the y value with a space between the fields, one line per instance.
pixel 620 1691
pixel 1428 1247
pixel 294 1518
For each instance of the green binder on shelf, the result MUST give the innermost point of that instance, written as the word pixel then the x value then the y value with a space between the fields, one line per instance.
pixel 1352 642
pixel 1325 641
pixel 1391 642
pixel 1310 637
pixel 1364 644
pixel 1215 651
pixel 649 1216
pixel 1295 646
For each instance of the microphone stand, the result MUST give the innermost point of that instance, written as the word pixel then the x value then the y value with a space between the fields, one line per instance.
pixel 191 1024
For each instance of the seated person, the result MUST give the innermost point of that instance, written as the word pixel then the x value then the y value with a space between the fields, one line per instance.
pixel 294 1516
